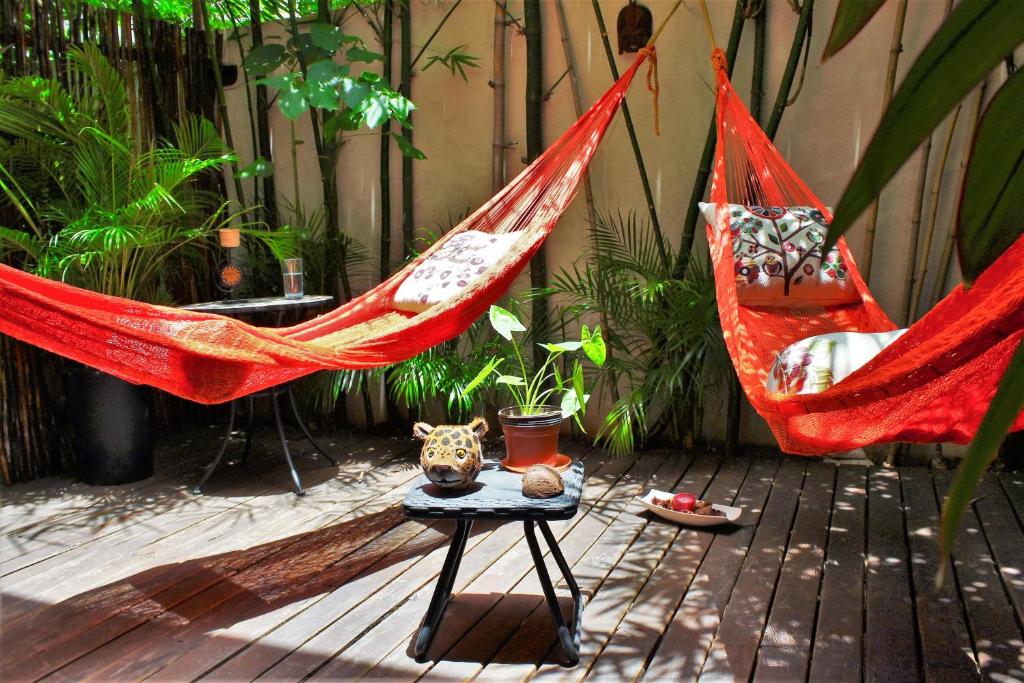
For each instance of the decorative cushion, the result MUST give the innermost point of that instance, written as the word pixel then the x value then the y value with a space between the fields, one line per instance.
pixel 778 259
pixel 452 268
pixel 814 364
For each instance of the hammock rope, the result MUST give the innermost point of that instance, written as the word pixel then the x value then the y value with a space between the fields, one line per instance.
pixel 933 384
pixel 209 358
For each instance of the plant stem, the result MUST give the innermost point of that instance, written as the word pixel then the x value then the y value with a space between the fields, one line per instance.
pixel 534 146
pixel 802 33
pixel 890 84
pixel 640 165
pixel 405 69
pixel 211 49
pixel 385 146
pixel 704 167
pixel 263 124
pixel 248 99
pixel 498 83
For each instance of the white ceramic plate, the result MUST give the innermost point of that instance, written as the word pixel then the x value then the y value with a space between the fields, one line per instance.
pixel 688 518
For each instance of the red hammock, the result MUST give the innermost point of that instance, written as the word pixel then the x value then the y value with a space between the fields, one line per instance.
pixel 210 358
pixel 933 384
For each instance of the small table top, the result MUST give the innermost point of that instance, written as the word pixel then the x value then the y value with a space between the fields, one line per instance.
pixel 265 304
pixel 496 494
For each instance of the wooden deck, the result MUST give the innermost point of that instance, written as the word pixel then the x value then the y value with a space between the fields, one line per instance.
pixel 830 576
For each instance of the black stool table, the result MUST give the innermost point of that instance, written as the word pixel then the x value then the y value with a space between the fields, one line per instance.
pixel 497 495
pixel 247 307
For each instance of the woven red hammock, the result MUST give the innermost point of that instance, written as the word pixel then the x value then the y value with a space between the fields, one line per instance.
pixel 210 358
pixel 933 384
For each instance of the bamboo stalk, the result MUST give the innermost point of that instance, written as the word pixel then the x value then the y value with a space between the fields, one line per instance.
pixel 263 123
pixel 946 260
pixel 700 183
pixel 760 17
pixel 782 99
pixel 890 84
pixel 405 73
pixel 385 146
pixel 534 146
pixel 659 237
pixel 211 50
pixel 248 99
pixel 498 83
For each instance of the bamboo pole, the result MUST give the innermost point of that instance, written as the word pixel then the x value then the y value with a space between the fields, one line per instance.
pixel 782 99
pixel 760 16
pixel 700 183
pixel 659 237
pixel 498 84
pixel 946 259
pixel 890 84
pixel 385 36
pixel 540 320
pixel 405 73
pixel 263 123
pixel 248 100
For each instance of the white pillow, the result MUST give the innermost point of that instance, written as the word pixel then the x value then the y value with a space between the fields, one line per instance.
pixel 814 364
pixel 459 262
pixel 777 256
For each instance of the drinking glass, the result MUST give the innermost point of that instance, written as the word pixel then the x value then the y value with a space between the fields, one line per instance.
pixel 291 271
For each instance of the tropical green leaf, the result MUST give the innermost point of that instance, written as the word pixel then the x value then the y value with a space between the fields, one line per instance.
pixel 1004 409
pixel 260 168
pixel 504 323
pixel 327 37
pixel 481 376
pixel 265 58
pixel 851 17
pixel 293 102
pixel 353 92
pixel 562 347
pixel 407 147
pixel 374 110
pixel 511 380
pixel 571 403
pixel 992 199
pixel 975 37
pixel 358 54
pixel 594 346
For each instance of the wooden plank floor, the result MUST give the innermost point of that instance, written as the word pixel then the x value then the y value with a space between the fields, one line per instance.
pixel 829 576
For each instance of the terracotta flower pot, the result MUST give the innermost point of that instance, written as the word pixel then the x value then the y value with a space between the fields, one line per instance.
pixel 531 439
pixel 230 237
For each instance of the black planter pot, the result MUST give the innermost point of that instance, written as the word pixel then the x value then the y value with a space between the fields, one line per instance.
pixel 113 427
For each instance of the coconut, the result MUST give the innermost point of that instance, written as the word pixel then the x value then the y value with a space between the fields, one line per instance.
pixel 542 481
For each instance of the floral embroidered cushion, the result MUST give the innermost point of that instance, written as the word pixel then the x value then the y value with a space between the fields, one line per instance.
pixel 449 271
pixel 814 364
pixel 778 259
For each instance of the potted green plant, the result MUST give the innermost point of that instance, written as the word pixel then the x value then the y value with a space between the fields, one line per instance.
pixel 532 423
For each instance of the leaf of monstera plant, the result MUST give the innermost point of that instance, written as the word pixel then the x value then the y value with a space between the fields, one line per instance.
pixel 265 58
pixel 992 200
pixel 975 37
pixel 851 17
pixel 504 323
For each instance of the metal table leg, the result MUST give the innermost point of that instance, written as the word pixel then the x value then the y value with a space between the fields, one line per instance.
pixel 198 488
pixel 284 445
pixel 305 430
pixel 569 637
pixel 443 590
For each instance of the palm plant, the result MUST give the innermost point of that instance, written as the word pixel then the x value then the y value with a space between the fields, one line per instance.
pixel 94 204
pixel 665 347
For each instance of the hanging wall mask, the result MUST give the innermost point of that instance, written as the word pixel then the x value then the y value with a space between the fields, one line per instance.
pixel 635 26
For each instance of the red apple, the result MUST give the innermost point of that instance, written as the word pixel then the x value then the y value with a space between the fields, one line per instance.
pixel 683 502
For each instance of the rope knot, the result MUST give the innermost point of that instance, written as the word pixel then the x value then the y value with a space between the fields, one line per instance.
pixel 718 60
pixel 652 81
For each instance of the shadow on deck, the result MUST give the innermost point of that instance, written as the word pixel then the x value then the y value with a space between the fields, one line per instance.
pixel 829 575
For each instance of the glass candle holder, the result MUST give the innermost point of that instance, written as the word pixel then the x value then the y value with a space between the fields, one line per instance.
pixel 291 272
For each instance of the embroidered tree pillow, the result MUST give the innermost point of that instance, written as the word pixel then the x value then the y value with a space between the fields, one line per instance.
pixel 447 272
pixel 778 259
pixel 814 364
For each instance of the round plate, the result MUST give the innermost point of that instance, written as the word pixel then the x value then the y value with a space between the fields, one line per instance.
pixel 562 463
pixel 688 518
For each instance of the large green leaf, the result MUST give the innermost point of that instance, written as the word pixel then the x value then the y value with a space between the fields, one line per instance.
pixel 851 17
pixel 975 37
pixel 265 58
pixel 261 168
pixel 1002 412
pixel 407 148
pixel 504 322
pixel 992 200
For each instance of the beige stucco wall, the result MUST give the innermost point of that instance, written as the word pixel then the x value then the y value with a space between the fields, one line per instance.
pixel 822 134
